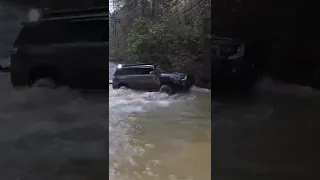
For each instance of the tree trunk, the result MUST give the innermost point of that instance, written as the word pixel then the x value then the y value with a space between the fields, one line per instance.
pixel 153 11
pixel 143 4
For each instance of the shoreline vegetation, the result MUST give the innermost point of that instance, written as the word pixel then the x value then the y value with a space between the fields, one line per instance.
pixel 174 34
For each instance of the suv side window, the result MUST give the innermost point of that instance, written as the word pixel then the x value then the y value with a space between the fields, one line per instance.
pixel 126 71
pixel 133 71
pixel 64 32
pixel 85 31
pixel 228 49
pixel 146 70
pixel 36 34
pixel 120 72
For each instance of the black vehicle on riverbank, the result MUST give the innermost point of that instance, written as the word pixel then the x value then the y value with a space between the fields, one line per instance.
pixel 150 77
pixel 63 47
pixel 235 66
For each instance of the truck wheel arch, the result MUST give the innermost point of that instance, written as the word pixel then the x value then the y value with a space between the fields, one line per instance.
pixel 42 71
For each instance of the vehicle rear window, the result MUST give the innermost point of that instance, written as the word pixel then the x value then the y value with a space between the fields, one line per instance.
pixel 64 32
pixel 125 71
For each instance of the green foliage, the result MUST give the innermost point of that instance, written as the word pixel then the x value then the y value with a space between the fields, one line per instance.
pixel 117 54
pixel 172 34
pixel 160 41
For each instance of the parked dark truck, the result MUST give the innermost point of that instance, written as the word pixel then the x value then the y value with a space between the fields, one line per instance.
pixel 63 47
pixel 151 77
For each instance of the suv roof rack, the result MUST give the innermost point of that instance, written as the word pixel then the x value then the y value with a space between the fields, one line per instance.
pixel 138 64
pixel 223 40
pixel 95 12
pixel 217 38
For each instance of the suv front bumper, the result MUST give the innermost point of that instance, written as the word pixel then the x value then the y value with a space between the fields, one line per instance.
pixel 187 81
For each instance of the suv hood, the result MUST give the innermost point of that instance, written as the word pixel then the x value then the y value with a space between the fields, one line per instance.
pixel 173 75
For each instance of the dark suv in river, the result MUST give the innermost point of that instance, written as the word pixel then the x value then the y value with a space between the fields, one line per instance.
pixel 235 66
pixel 63 47
pixel 151 77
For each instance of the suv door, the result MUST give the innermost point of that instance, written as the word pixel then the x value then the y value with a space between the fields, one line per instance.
pixel 132 78
pixel 148 81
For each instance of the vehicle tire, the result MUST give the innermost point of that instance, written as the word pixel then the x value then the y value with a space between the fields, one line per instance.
pixel 44 77
pixel 45 83
pixel 166 89
pixel 115 86
pixel 123 86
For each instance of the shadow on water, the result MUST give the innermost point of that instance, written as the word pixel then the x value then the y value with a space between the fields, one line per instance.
pixel 272 137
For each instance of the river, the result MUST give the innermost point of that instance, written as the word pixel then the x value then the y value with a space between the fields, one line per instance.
pixel 62 134
pixel 154 136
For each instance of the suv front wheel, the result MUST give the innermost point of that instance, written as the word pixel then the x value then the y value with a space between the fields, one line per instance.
pixel 45 83
pixel 166 89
